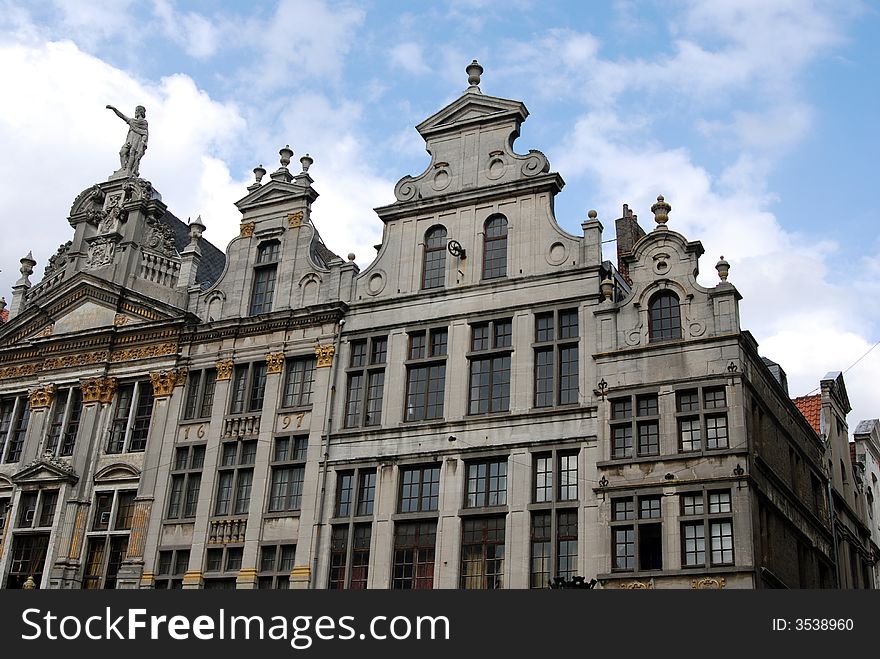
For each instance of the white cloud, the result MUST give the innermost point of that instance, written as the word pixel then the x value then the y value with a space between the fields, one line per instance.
pixel 408 56
pixel 196 34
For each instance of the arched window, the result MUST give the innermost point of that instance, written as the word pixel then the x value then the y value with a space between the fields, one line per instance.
pixel 434 260
pixel 495 248
pixel 266 268
pixel 664 317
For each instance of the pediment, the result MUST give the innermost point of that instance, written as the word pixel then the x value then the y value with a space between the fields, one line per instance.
pixel 275 192
pixel 471 108
pixel 82 305
pixel 46 469
pixel 117 472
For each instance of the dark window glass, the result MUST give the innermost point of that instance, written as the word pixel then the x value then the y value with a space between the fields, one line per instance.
pixel 434 264
pixel 664 317
pixel 495 248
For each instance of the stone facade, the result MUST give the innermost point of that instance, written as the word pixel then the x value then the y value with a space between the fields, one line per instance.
pixel 488 404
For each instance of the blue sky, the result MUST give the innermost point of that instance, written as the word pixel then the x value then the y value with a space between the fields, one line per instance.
pixel 756 120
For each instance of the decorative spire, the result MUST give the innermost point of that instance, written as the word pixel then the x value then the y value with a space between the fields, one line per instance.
pixel 474 70
pixel 723 268
pixel 196 229
pixel 661 212
pixel 26 270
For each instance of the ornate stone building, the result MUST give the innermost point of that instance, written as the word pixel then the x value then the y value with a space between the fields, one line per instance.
pixel 488 404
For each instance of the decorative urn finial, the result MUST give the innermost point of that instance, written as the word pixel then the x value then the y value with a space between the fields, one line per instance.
pixel 286 154
pixel 474 70
pixel 661 212
pixel 306 162
pixel 723 268
pixel 259 173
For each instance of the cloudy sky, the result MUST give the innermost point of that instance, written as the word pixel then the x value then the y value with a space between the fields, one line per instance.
pixel 757 119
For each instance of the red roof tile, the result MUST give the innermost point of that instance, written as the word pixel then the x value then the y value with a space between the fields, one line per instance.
pixel 811 408
pixel 4 315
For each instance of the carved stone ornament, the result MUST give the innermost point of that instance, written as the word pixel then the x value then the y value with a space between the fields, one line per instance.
pixel 274 362
pixel 637 585
pixel 708 583
pixel 247 229
pixel 159 350
pixel 295 220
pixel 101 253
pixel 89 202
pixel 182 375
pixel 120 319
pixel 112 216
pixel 164 382
pixel 160 237
pixel 98 390
pixel 324 355
pixel 224 369
pixel 41 397
pixel 58 260
pixel 46 331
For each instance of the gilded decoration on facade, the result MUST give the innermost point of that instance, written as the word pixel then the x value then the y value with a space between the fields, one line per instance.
pixel 99 390
pixel 637 585
pixel 160 350
pixel 708 583
pixel 19 371
pixel 324 355
pixel 247 229
pixel 295 220
pixel 224 369
pixel 164 382
pixel 41 397
pixel 274 362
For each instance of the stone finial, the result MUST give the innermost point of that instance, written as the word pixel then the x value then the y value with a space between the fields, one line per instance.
pixel 351 256
pixel 592 215
pixel 723 268
pixel 26 270
pixel 259 173
pixel 196 229
pixel 661 212
pixel 286 154
pixel 306 162
pixel 607 288
pixel 474 70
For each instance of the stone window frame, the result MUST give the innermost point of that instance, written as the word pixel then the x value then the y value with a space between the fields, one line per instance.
pixel 420 555
pixel 659 313
pixel 277 575
pixel 198 402
pixel 555 345
pixel 135 425
pixel 63 422
pixel 634 519
pixel 241 470
pixel 492 244
pixel 629 424
pixel 231 559
pixel 490 352
pixel 707 520
pixel 425 358
pixel 294 460
pixel 702 413
pixel 105 544
pixel 265 266
pixel 367 368
pixel 489 528
pixel 434 258
pixel 297 393
pixel 177 565
pixel 42 515
pixel 14 422
pixel 252 389
pixel 552 536
pixel 186 473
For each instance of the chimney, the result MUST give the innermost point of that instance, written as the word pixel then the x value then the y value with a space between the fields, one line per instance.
pixel 628 233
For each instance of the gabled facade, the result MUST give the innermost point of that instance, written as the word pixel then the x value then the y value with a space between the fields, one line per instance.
pixel 488 404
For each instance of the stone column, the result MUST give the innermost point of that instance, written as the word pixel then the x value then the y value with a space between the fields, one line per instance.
pixel 447 551
pixel 40 403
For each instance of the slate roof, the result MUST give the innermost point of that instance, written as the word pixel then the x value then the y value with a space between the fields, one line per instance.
pixel 811 408
pixel 213 259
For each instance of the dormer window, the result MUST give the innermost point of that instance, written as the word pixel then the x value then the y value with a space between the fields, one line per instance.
pixel 664 317
pixel 434 260
pixel 265 272
pixel 495 248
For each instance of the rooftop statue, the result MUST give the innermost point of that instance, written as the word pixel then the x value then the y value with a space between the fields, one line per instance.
pixel 135 142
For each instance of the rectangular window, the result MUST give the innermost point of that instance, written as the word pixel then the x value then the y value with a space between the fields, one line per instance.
pixel 490 367
pixel 276 564
pixel 556 358
pixel 366 491
pixel 28 558
pixel 131 418
pixel 221 567
pixel 263 290
pixel 199 394
pixel 287 474
pixel 234 478
pixel 171 565
pixel 248 388
pixel 14 417
pixel 636 534
pixel 299 377
pixel 349 556
pixel 419 489
pixel 113 516
pixel 482 553
pixel 559 467
pixel 36 509
pixel 64 423
pixel 554 547
pixel 186 480
pixel 414 544
pixel 701 513
pixel 644 427
pixel 486 484
pixel 426 374
pixel 702 427
pixel 366 382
